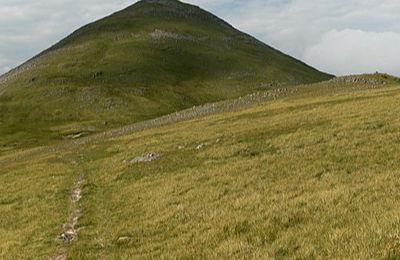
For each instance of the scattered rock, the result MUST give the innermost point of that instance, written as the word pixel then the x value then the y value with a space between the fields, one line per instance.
pixel 77 135
pixel 123 239
pixel 200 146
pixel 61 256
pixel 146 158
pixel 76 195
pixel 67 236
pixel 160 34
pixel 358 79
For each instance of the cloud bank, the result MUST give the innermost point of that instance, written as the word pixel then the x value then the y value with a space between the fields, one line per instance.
pixel 356 51
pixel 336 36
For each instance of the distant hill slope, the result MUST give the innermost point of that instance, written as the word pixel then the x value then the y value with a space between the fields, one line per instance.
pixel 153 58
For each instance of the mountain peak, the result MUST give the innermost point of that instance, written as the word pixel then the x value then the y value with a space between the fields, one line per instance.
pixel 163 2
pixel 162 5
pixel 153 13
pixel 169 9
pixel 150 59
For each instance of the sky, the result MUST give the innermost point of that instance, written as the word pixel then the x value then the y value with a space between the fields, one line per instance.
pixel 336 36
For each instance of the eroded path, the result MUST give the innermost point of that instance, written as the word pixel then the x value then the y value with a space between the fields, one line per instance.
pixel 70 231
pixel 70 228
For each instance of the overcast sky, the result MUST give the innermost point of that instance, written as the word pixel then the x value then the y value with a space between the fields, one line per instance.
pixel 336 36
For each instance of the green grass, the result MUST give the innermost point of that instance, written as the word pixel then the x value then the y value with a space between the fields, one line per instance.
pixel 311 175
pixel 33 205
pixel 113 72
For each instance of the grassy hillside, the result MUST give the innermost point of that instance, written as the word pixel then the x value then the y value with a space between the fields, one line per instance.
pixel 311 174
pixel 151 59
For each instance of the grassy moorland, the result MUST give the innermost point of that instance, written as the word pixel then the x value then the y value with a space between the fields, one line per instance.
pixel 313 174
pixel 151 59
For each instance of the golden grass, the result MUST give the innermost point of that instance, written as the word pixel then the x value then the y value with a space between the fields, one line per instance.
pixel 310 177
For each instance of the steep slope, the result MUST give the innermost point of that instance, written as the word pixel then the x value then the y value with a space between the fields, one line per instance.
pixel 313 175
pixel 152 58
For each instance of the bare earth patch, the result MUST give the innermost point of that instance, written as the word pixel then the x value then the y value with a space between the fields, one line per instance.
pixel 70 232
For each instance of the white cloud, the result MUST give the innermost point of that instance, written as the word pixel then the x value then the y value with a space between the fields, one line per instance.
pixel 28 27
pixel 356 51
pixel 4 64
pixel 368 29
